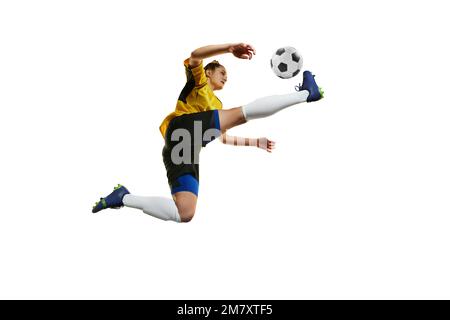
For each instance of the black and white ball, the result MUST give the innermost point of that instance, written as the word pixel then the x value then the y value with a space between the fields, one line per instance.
pixel 286 62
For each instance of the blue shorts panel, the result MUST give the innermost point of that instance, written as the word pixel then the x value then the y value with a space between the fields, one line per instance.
pixel 186 182
pixel 216 119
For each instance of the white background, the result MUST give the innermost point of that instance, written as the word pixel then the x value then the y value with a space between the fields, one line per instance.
pixel 354 202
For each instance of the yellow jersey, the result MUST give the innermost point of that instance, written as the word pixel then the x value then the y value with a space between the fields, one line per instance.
pixel 196 96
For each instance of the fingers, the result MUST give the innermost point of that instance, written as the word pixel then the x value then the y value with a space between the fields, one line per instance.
pixel 266 144
pixel 270 146
pixel 244 51
pixel 251 49
pixel 246 55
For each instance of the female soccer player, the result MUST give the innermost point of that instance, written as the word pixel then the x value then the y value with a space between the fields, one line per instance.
pixel 198 119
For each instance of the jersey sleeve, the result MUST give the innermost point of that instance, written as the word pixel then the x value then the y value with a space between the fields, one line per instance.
pixel 197 73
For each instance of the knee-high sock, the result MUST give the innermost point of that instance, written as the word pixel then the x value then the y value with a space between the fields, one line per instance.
pixel 267 106
pixel 158 207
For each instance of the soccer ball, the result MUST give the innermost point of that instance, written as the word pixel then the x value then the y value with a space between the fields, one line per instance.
pixel 286 62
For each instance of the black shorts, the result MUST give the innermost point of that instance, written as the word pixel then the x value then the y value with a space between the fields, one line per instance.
pixel 185 136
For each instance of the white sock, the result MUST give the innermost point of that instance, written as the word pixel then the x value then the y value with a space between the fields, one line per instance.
pixel 158 207
pixel 267 106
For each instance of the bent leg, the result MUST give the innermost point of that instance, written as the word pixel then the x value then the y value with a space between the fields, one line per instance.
pixel 158 207
pixel 179 209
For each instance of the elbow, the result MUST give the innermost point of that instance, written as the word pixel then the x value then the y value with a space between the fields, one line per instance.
pixel 195 55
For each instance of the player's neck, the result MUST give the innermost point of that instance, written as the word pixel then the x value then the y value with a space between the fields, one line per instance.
pixel 211 86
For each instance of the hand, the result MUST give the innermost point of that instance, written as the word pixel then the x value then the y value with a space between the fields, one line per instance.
pixel 242 51
pixel 266 144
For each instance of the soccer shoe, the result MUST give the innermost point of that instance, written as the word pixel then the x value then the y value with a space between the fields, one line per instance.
pixel 113 200
pixel 315 93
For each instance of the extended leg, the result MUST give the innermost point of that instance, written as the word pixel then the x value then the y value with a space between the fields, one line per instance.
pixel 261 108
pixel 265 107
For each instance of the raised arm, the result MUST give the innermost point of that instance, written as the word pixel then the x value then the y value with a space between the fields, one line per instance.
pixel 262 143
pixel 239 50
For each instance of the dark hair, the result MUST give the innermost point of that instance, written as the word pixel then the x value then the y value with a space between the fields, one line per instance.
pixel 213 65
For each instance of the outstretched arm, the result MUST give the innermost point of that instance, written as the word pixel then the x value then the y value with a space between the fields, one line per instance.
pixel 239 50
pixel 262 143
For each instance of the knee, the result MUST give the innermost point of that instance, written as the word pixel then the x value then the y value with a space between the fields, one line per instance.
pixel 241 119
pixel 186 215
pixel 186 203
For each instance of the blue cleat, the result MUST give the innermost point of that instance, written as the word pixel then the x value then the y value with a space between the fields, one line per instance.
pixel 113 200
pixel 315 93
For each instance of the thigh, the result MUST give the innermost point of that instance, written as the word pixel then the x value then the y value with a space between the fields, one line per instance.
pixel 231 118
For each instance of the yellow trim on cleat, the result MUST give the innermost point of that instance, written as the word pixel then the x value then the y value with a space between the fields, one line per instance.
pixel 321 92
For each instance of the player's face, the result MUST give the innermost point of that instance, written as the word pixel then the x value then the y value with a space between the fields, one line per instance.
pixel 218 78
